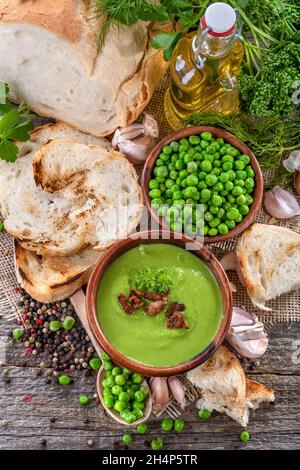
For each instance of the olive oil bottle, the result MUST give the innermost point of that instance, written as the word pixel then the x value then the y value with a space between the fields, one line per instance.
pixel 205 66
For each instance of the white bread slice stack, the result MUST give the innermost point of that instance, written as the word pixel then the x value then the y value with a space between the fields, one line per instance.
pixel 269 262
pixel 51 279
pixel 95 198
pixel 225 388
pixel 50 58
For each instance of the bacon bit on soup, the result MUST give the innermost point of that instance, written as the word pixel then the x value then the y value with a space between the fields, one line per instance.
pixel 126 307
pixel 157 306
pixel 175 316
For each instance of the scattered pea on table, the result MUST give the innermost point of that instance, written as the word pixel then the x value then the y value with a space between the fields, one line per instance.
pixel 84 400
pixel 127 438
pixel 244 436
pixel 167 424
pixel 179 425
pixel 204 414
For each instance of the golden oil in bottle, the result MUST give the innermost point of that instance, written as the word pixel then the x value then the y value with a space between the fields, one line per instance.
pixel 205 66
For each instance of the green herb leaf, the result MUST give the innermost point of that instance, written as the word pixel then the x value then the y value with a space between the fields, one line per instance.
pixel 21 132
pixel 8 121
pixel 166 42
pixel 8 151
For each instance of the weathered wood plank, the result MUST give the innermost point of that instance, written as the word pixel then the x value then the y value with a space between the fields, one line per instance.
pixel 272 426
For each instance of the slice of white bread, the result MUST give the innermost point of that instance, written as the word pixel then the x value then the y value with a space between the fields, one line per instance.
pixel 269 262
pixel 50 58
pixel 96 198
pixel 224 387
pixel 51 279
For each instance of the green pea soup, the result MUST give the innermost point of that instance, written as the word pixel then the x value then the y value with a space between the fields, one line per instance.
pixel 145 339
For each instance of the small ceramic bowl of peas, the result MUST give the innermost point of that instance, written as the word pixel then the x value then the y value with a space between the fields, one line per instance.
pixel 125 395
pixel 204 180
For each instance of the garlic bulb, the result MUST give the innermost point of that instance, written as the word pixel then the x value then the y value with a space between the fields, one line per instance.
pixel 177 390
pixel 159 392
pixel 246 334
pixel 281 204
pixel 137 140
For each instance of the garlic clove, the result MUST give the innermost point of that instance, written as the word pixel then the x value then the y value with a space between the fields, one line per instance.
pixel 292 163
pixel 177 390
pixel 228 261
pixel 135 152
pixel 281 204
pixel 246 334
pixel 127 133
pixel 159 392
pixel 151 126
pixel 233 287
pixel 241 317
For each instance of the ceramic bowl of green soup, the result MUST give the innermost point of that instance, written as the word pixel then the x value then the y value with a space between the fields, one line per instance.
pixel 159 306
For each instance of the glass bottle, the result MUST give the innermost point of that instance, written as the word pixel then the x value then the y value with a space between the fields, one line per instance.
pixel 205 66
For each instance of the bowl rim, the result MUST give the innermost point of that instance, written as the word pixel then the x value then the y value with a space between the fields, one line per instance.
pixel 158 236
pixel 232 139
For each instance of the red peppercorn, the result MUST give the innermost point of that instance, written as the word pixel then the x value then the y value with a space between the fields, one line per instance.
pixel 20 322
pixel 27 398
pixel 39 322
pixel 28 351
pixel 32 331
pixel 25 316
pixel 18 289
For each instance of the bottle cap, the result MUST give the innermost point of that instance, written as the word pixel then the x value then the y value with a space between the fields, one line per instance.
pixel 220 18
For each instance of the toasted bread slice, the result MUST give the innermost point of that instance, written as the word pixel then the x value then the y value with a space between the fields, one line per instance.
pixel 224 387
pixel 51 279
pixel 269 261
pixel 90 196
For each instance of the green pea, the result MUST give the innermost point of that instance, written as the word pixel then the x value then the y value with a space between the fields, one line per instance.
pixel 156 444
pixel 241 200
pixel 162 172
pixel 244 210
pixel 211 149
pixel 109 401
pixel 240 183
pixel 223 150
pixel 222 229
pixel 95 363
pixel 244 158
pixel 249 199
pixel 18 333
pixel 208 216
pixel 137 378
pixel 216 164
pixel 127 438
pixel 105 357
pixel 173 174
pixel 214 222
pixel 231 198
pixel 237 191
pixel 192 180
pixel 64 380
pixel 229 186
pixel 206 135
pixel 68 323
pixel 162 211
pixel 204 414
pixel 184 142
pixel 119 406
pixel 188 158
pixel 230 224
pixel 239 218
pixel 197 156
pixel 159 162
pixel 212 232
pixel 116 390
pixel 169 183
pixel 190 192
pixel 241 174
pixel 138 413
pixel 162 187
pixel 110 381
pixel 221 213
pixel 164 157
pixel 167 424
pixel 156 202
pixel 155 193
pixel 179 425
pixel 139 396
pixel 55 325
pixel 194 139
pixel 249 183
pixel 120 379
pixel 142 428
pixel 232 151
pixel 213 210
pixel 232 175
pixel 201 185
pixel 232 214
pixel 138 405
pixel 174 146
pixel 215 171
pixel 250 172
pixel 1 226
pixel 216 200
pixel 179 165
pixel 211 180
pixel 167 149
pixel 206 166
pixel 205 230
pixel 177 195
pixel 244 436
pixel 124 396
pixel 227 166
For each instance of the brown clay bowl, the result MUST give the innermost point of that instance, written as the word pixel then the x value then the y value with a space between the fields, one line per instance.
pixel 114 414
pixel 157 237
pixel 186 132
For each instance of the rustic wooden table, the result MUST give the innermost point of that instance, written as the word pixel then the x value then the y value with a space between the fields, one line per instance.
pixel 55 415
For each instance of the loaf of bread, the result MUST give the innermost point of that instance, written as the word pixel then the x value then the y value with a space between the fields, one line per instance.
pixel 268 259
pixel 51 59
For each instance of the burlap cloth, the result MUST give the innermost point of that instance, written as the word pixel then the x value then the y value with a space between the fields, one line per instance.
pixel 284 309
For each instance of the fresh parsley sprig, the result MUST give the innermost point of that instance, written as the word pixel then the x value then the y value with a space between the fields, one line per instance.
pixel 15 124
